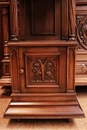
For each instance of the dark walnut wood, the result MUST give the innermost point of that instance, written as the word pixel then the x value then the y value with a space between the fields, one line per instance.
pixel 42 51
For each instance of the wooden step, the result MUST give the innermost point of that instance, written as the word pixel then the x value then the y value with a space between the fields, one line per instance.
pixel 42 103
pixel 43 97
pixel 43 110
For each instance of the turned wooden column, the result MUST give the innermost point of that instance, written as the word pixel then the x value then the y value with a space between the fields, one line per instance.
pixel 5 32
pixel 13 21
pixel 71 21
pixel 64 28
pixel 6 58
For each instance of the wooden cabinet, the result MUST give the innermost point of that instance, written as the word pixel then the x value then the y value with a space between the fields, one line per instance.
pixel 81 53
pixel 49 32
pixel 42 48
pixel 43 80
pixel 40 69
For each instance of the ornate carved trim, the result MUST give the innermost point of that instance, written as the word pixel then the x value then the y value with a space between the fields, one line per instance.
pixel 13 49
pixel 71 51
pixel 82 31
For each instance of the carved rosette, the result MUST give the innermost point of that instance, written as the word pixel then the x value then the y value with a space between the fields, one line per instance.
pixel 82 31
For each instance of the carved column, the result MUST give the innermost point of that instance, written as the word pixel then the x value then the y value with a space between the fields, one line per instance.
pixel 13 21
pixel 5 32
pixel 6 58
pixel 71 21
pixel 64 19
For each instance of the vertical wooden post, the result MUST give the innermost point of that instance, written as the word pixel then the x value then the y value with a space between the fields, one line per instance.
pixel 64 19
pixel 5 32
pixel 6 58
pixel 71 21
pixel 13 21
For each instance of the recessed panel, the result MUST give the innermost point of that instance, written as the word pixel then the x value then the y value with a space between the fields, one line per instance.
pixel 41 69
pixel 43 17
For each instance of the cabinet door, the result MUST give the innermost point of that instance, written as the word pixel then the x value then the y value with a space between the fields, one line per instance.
pixel 42 69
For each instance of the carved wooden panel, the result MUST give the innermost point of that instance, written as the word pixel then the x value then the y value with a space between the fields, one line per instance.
pixel 81 22
pixel 82 31
pixel 42 69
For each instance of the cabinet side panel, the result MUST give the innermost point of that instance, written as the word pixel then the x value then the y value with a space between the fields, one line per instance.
pixel 14 70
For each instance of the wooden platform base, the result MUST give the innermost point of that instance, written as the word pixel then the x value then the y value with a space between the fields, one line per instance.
pixel 43 110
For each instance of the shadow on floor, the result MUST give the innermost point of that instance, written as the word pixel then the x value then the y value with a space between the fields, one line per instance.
pixel 26 123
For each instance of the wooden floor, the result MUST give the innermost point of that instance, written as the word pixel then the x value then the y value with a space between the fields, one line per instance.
pixel 75 124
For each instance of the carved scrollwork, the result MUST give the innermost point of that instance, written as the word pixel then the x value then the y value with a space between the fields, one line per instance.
pixel 82 31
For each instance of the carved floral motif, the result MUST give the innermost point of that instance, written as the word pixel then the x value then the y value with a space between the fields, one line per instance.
pixel 42 70
pixel 37 72
pixel 49 71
